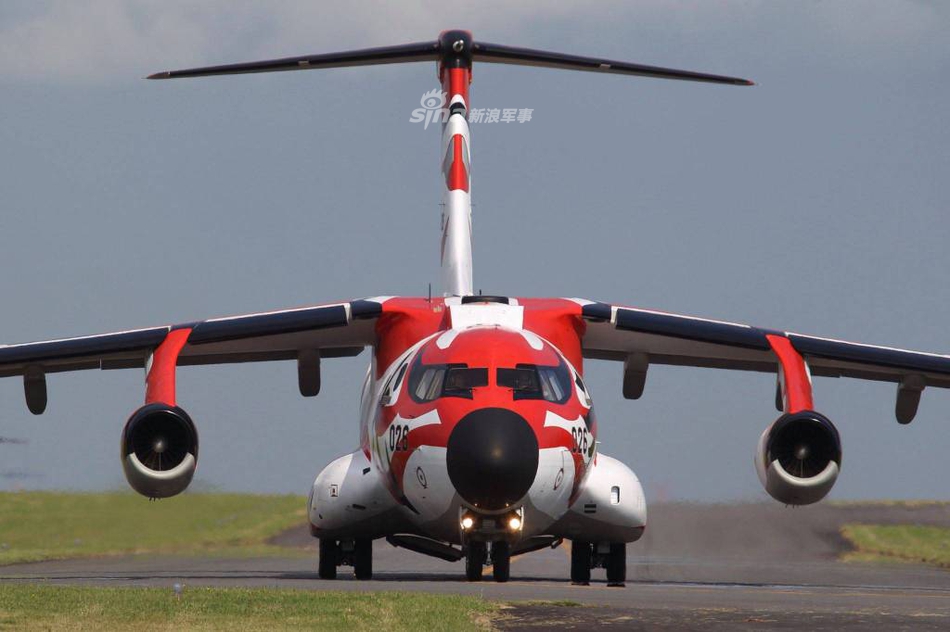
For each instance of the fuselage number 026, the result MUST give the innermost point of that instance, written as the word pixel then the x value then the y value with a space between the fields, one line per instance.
pixel 398 438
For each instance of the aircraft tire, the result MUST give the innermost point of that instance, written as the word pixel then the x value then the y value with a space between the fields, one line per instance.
pixel 501 560
pixel 617 564
pixel 363 559
pixel 475 561
pixel 329 555
pixel 580 562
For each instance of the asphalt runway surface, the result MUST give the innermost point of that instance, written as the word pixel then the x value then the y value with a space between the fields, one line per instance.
pixel 698 566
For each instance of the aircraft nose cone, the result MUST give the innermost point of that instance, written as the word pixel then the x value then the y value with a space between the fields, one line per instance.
pixel 492 458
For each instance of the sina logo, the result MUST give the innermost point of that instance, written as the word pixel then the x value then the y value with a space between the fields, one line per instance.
pixel 433 109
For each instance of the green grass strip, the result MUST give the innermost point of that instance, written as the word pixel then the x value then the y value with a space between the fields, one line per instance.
pixel 912 543
pixel 49 525
pixel 43 607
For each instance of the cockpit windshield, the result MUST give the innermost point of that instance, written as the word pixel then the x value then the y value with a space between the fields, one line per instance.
pixel 530 381
pixel 428 382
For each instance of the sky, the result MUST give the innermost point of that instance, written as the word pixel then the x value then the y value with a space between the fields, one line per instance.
pixel 814 202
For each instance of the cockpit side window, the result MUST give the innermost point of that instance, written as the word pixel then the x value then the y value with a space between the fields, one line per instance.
pixel 391 389
pixel 428 382
pixel 530 381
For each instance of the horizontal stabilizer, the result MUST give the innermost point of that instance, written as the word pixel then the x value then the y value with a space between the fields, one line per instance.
pixel 500 54
pixel 420 51
pixel 453 48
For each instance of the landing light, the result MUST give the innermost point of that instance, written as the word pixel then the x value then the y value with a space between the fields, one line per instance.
pixel 468 522
pixel 514 523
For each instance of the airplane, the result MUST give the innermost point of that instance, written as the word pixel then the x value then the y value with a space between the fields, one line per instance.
pixel 477 436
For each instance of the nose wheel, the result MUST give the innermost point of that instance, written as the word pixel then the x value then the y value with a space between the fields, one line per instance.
pixel 616 564
pixel 329 558
pixel 501 560
pixel 587 555
pixel 477 556
pixel 475 561
pixel 356 553
pixel 580 562
pixel 363 559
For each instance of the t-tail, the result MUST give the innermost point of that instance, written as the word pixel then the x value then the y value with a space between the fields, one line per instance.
pixel 454 52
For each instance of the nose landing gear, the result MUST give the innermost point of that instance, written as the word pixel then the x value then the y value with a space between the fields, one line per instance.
pixel 476 558
pixel 610 556
pixel 356 553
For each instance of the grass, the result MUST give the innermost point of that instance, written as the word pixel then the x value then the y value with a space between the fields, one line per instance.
pixel 907 543
pixel 914 504
pixel 43 607
pixel 50 525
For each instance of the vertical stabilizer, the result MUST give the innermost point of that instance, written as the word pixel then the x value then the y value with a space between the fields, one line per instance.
pixel 455 73
pixel 454 52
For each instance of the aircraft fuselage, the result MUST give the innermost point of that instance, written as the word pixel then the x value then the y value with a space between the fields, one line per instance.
pixel 476 426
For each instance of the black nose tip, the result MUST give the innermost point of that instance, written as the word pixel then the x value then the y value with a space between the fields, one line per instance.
pixel 492 457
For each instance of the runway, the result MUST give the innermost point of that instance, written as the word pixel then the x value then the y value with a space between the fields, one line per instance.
pixel 763 566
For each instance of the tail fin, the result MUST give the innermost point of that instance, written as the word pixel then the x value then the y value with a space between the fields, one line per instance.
pixel 454 51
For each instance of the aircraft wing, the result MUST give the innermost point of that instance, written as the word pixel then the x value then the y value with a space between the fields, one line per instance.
pixel 335 330
pixel 641 337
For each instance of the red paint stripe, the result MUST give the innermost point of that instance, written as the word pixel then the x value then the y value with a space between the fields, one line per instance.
pixel 798 394
pixel 456 81
pixel 160 383
pixel 457 177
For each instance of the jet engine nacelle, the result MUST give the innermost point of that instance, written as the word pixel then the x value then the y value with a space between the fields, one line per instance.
pixel 159 450
pixel 799 457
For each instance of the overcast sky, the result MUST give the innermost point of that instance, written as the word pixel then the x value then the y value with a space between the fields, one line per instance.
pixel 816 201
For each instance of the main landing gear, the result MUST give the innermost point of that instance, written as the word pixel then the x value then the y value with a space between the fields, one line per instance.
pixel 610 556
pixel 476 558
pixel 356 553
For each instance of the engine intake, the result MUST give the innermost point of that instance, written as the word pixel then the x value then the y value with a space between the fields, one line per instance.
pixel 799 457
pixel 159 450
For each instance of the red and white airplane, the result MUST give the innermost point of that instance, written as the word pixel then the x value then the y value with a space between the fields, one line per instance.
pixel 478 438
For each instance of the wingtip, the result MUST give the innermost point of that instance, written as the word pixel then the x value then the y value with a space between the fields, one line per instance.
pixel 747 82
pixel 160 75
